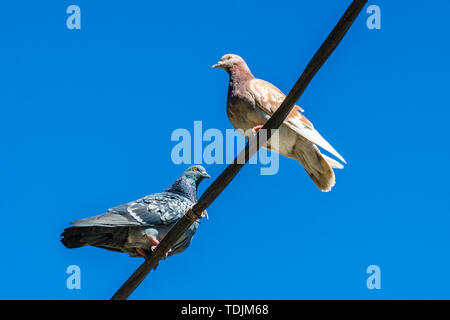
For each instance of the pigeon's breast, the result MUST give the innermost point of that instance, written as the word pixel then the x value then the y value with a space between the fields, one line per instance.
pixel 243 113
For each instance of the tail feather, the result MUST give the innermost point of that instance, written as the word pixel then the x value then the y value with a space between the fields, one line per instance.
pixel 333 163
pixel 76 237
pixel 317 166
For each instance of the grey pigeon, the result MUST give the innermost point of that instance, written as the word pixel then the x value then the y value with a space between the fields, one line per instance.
pixel 250 104
pixel 137 227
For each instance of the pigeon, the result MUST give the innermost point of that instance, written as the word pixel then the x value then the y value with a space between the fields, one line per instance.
pixel 251 102
pixel 137 227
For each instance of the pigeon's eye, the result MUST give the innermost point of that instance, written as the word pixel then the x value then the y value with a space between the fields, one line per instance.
pixel 194 169
pixel 229 57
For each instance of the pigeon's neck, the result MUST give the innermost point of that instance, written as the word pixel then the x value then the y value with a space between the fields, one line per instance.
pixel 239 74
pixel 185 187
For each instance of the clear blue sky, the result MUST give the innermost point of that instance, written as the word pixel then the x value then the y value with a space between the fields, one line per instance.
pixel 87 117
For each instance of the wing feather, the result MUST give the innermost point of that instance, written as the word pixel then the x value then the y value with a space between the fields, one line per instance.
pixel 269 98
pixel 156 209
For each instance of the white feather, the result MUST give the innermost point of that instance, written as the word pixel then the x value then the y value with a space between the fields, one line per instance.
pixel 312 135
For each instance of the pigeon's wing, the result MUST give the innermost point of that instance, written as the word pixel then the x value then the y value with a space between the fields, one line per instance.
pixel 156 209
pixel 109 219
pixel 162 208
pixel 269 98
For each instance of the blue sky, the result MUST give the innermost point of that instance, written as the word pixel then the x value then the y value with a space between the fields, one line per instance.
pixel 87 117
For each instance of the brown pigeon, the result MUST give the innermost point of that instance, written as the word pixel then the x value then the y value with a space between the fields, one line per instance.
pixel 250 104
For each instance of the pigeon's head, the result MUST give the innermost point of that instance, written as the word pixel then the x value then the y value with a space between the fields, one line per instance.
pixel 195 174
pixel 228 61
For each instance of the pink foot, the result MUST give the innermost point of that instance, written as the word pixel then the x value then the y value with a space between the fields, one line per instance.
pixel 155 242
pixel 256 129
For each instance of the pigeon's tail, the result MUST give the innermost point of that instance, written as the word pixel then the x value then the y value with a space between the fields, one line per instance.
pixel 75 237
pixel 319 166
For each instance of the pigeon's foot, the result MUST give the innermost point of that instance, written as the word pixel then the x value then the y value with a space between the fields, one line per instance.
pixel 155 242
pixel 256 129
pixel 141 252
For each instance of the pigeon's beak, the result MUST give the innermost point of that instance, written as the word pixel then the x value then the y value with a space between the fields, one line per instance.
pixel 217 65
pixel 205 175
